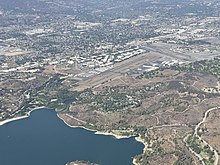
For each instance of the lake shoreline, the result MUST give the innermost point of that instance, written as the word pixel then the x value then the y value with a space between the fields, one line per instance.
pixel 20 117
pixel 137 138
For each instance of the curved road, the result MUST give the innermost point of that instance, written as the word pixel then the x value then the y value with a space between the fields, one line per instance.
pixel 205 143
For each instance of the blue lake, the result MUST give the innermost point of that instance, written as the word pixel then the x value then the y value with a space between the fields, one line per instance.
pixel 44 139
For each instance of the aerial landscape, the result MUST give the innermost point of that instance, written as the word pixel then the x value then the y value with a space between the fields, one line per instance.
pixel 131 82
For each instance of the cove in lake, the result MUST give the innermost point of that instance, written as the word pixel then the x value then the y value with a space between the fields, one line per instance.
pixel 44 139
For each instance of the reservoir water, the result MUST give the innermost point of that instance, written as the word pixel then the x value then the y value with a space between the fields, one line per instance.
pixel 44 139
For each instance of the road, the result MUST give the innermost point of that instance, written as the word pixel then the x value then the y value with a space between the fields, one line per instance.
pixel 196 133
pixel 203 141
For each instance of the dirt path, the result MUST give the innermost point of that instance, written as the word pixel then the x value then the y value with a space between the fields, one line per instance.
pixel 84 122
pixel 203 141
